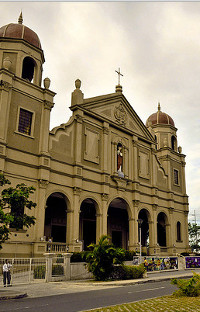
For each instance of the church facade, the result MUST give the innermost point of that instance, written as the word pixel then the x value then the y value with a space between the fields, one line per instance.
pixel 102 172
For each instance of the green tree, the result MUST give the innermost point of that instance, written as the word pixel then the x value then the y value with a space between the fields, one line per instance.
pixel 13 201
pixel 103 256
pixel 194 236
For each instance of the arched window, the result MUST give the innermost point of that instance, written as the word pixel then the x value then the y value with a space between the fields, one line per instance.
pixel 178 227
pixel 156 141
pixel 28 68
pixel 173 142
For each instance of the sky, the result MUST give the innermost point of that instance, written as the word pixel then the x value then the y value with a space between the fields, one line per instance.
pixel 155 44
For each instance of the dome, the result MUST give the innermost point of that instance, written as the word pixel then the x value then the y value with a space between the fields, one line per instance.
pixel 159 118
pixel 20 31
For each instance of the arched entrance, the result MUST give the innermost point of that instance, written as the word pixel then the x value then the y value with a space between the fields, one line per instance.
pixel 118 226
pixel 144 216
pixel 88 222
pixel 161 229
pixel 56 218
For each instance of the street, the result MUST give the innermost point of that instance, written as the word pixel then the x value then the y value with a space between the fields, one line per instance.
pixel 81 301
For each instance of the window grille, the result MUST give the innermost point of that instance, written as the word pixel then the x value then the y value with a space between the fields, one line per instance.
pixel 25 121
pixel 176 180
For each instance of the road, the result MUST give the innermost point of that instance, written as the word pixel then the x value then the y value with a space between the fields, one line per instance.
pixel 89 300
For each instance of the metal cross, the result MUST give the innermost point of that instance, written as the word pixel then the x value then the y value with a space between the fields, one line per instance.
pixel 119 74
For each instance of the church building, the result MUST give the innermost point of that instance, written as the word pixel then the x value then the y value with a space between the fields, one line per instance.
pixel 102 172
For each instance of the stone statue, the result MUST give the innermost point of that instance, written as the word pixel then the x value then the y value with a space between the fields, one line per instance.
pixel 119 158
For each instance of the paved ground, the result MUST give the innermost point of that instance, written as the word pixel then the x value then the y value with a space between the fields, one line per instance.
pixel 42 289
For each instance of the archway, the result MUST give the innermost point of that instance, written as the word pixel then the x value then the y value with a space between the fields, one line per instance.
pixel 88 222
pixel 118 226
pixel 161 229
pixel 56 218
pixel 173 143
pixel 144 216
pixel 28 68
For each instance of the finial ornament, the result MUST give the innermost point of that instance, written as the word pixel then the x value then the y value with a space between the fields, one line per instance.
pixel 77 83
pixel 158 106
pixel 20 19
pixel 119 74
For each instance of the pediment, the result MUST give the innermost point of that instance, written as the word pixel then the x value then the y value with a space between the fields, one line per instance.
pixel 118 110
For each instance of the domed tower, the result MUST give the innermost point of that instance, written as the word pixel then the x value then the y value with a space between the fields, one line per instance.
pixel 21 52
pixel 24 105
pixel 162 127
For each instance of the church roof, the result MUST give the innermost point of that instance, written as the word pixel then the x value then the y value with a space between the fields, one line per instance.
pixel 159 118
pixel 20 31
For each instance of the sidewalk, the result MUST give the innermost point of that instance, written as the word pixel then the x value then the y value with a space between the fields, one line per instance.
pixel 42 289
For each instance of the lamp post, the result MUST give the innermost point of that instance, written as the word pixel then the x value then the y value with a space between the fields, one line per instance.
pixel 140 235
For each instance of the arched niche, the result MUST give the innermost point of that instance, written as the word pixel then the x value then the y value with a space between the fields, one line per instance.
pixel 28 68
pixel 118 224
pixel 88 222
pixel 144 216
pixel 55 227
pixel 161 229
pixel 178 231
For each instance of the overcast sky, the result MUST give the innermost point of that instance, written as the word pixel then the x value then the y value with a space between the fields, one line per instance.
pixel 156 45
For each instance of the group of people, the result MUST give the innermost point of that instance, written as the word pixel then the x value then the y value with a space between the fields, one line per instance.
pixel 6 273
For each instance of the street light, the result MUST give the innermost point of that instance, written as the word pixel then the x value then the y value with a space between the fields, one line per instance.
pixel 140 235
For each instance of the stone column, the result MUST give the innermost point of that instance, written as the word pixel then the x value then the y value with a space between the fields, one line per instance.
pixel 126 158
pixel 154 248
pixel 5 98
pixel 105 215
pixel 40 210
pixel 76 216
pixel 78 139
pixel 132 242
pixel 49 262
pixel 114 157
pixel 44 139
pixel 67 267
pixel 105 146
pixel 99 226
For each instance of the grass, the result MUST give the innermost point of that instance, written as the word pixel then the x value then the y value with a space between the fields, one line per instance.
pixel 164 304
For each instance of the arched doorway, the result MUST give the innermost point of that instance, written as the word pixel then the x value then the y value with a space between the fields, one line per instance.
pixel 118 225
pixel 56 218
pixel 161 229
pixel 88 222
pixel 144 216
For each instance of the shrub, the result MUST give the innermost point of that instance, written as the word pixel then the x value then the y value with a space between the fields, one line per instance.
pixel 39 272
pixel 79 256
pixel 121 272
pixel 100 261
pixel 57 270
pixel 129 255
pixel 189 288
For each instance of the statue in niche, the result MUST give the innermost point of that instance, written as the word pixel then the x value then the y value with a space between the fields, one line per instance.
pixel 119 159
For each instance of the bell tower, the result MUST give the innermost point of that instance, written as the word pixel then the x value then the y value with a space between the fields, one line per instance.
pixel 24 104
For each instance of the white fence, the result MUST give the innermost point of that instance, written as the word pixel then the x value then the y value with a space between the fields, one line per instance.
pixel 26 270
pixel 58 267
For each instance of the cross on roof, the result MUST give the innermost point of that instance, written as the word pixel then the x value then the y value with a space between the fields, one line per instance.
pixel 119 74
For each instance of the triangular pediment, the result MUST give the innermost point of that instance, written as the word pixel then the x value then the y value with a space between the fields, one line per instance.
pixel 116 109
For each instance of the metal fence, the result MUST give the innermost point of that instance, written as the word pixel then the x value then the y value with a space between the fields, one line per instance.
pixel 26 270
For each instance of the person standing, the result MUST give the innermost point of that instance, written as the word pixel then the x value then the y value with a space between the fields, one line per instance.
pixel 6 273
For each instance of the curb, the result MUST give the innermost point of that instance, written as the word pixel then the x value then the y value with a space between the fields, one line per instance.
pixel 13 296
